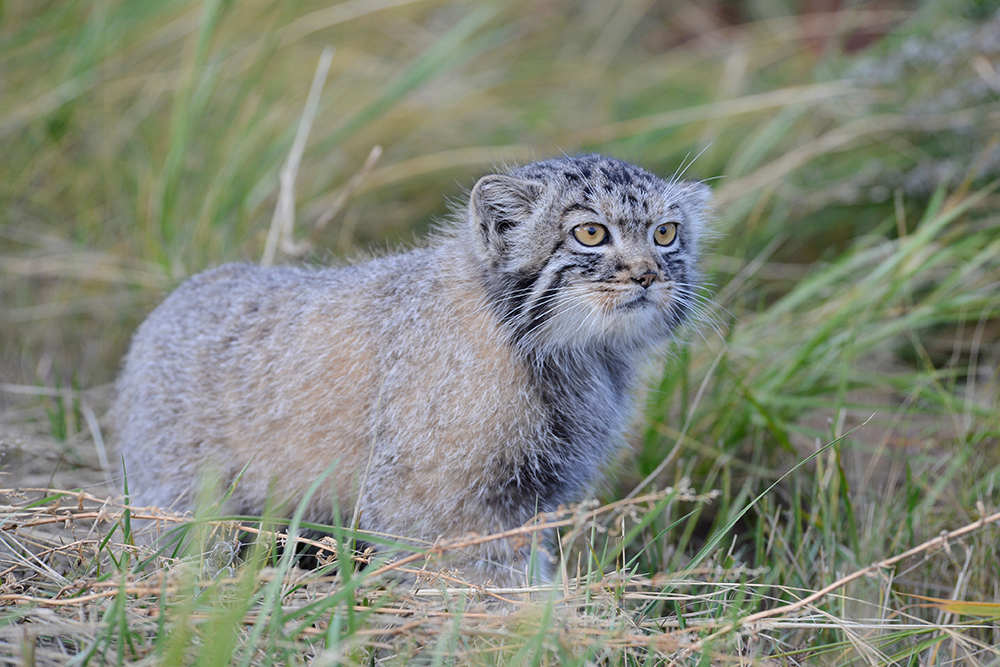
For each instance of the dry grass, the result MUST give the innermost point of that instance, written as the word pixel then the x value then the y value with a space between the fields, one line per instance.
pixel 72 563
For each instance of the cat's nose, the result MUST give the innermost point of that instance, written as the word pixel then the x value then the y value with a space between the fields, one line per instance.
pixel 646 279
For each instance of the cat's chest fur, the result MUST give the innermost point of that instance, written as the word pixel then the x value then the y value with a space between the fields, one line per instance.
pixel 586 401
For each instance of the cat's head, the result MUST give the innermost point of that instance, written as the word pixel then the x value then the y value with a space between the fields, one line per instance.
pixel 588 250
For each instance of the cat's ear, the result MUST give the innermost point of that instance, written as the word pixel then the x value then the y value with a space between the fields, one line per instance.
pixel 698 195
pixel 498 204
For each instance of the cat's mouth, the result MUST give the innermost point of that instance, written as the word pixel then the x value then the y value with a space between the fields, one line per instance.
pixel 640 301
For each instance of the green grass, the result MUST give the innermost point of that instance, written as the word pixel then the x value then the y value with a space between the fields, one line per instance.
pixel 855 272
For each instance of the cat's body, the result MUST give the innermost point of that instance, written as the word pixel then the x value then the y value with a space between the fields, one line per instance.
pixel 485 378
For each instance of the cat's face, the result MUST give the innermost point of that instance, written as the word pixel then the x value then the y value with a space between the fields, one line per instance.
pixel 589 250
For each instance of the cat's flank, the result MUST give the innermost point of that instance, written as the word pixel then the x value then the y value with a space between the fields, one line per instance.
pixel 486 377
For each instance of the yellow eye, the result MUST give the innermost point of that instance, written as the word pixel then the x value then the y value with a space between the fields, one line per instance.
pixel 591 234
pixel 665 233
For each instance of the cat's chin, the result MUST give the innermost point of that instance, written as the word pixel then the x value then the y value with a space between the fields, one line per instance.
pixel 634 323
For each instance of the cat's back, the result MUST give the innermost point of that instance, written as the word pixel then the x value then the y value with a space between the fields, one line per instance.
pixel 258 316
pixel 236 314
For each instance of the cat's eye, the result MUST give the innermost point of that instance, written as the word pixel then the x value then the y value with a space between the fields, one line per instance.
pixel 590 234
pixel 665 234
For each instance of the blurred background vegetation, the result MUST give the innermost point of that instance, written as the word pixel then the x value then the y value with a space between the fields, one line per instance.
pixel 853 148
pixel 142 141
